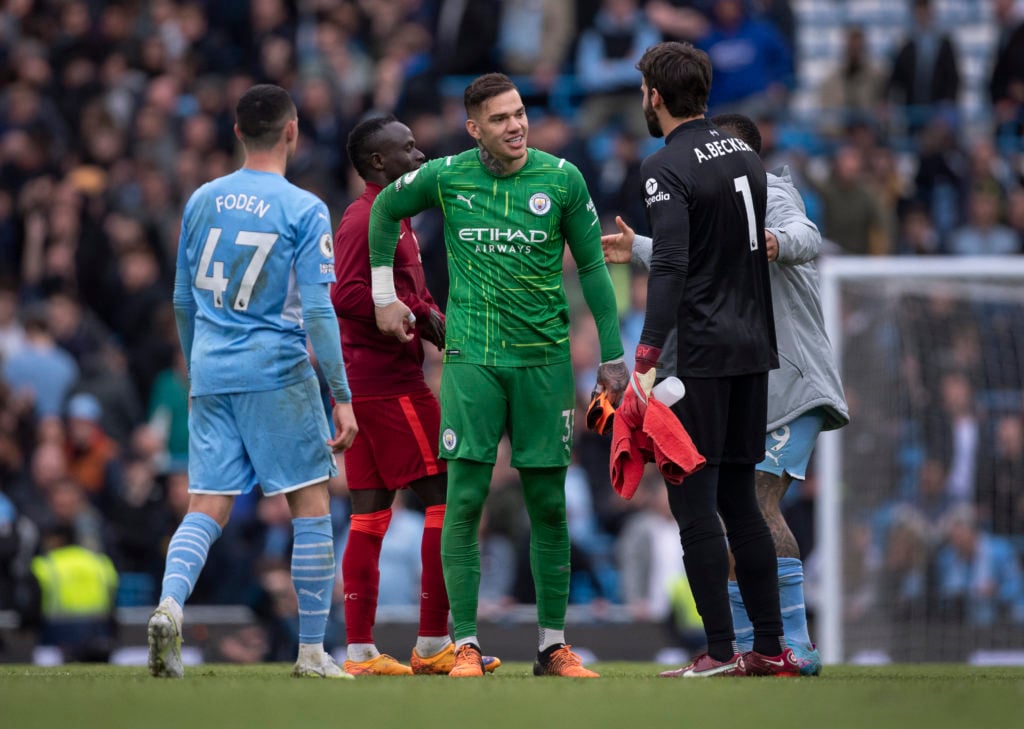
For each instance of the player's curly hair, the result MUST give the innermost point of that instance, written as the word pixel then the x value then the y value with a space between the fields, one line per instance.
pixel 262 113
pixel 741 126
pixel 360 146
pixel 682 75
pixel 483 88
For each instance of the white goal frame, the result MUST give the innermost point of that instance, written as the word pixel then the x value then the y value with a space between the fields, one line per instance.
pixel 828 458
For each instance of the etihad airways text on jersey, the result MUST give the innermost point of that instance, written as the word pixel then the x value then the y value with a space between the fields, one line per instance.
pixel 502 235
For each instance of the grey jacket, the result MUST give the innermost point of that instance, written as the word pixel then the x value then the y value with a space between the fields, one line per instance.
pixel 807 376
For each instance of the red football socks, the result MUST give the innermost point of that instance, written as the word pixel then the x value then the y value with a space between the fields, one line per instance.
pixel 360 573
pixel 433 596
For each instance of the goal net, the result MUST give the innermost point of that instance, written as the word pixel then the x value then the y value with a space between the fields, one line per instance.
pixel 920 516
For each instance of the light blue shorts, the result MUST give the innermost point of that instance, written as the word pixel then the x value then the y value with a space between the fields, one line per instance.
pixel 788 449
pixel 275 438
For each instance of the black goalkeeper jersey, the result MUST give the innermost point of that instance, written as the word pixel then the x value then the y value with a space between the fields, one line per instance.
pixel 706 192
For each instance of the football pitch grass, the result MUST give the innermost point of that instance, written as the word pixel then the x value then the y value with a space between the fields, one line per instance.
pixel 628 695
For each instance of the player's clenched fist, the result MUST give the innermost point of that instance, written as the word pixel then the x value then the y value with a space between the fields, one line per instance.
pixel 771 245
pixel 612 377
pixel 634 400
pixel 395 319
pixel 345 428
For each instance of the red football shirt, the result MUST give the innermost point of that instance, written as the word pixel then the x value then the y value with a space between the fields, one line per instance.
pixel 377 364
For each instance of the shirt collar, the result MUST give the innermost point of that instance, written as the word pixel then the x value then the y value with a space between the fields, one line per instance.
pixel 693 124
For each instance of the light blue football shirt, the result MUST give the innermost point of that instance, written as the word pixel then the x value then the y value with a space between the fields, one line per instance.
pixel 248 240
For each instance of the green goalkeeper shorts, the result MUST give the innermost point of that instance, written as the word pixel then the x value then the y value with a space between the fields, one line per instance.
pixel 535 405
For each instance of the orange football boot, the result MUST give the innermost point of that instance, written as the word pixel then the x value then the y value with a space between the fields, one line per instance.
pixel 382 665
pixel 444 661
pixel 562 662
pixel 468 663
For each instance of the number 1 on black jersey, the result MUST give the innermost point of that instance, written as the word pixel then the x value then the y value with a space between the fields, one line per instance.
pixel 743 188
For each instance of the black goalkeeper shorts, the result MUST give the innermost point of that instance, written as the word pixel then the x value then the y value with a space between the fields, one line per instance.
pixel 726 416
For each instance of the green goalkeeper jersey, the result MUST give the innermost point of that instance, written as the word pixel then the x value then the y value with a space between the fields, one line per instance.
pixel 505 238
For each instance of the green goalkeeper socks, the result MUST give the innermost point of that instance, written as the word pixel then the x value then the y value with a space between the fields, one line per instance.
pixel 468 483
pixel 544 493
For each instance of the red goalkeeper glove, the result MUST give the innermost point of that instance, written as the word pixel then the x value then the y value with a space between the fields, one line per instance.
pixel 634 401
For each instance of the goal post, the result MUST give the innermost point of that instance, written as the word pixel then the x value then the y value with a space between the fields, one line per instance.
pixel 899 328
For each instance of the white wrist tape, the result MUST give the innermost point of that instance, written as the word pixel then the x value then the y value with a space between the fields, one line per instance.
pixel 382 279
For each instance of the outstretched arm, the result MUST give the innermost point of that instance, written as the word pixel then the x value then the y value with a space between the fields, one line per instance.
pixel 626 246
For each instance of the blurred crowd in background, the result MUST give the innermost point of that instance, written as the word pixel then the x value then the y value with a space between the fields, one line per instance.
pixel 900 122
pixel 933 466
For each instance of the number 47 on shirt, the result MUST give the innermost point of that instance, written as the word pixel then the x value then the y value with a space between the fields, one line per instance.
pixel 218 284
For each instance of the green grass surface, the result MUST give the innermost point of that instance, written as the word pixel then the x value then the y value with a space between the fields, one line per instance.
pixel 629 695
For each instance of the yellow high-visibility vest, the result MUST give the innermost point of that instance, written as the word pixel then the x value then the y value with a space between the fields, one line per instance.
pixel 75 582
pixel 684 606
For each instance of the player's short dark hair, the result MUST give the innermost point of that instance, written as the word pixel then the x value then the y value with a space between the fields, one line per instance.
pixel 740 126
pixel 682 75
pixel 360 145
pixel 261 115
pixel 485 87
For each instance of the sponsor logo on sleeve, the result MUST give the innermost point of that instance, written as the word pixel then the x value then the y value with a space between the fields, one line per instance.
pixel 653 194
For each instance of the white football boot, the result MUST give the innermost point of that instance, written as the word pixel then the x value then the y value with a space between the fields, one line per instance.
pixel 319 664
pixel 164 635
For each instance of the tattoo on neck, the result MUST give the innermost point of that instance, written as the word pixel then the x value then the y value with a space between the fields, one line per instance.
pixel 491 162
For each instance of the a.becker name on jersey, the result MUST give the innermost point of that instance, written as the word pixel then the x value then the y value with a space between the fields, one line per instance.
pixel 721 147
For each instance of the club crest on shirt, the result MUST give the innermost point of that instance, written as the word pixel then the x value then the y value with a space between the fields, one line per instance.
pixel 449 439
pixel 327 245
pixel 540 203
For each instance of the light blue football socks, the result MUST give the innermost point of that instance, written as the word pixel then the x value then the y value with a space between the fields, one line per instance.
pixel 741 624
pixel 791 600
pixel 313 575
pixel 186 555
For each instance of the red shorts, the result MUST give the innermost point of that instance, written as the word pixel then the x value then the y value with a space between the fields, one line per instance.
pixel 396 443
